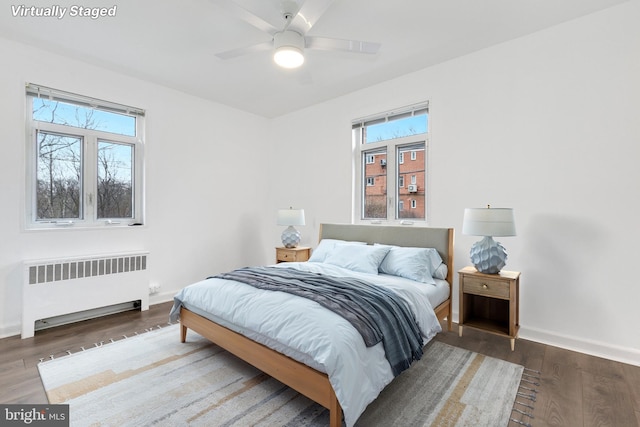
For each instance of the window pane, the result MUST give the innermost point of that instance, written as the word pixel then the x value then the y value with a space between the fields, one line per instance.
pixel 58 180
pixel 411 197
pixel 115 180
pixel 62 113
pixel 395 129
pixel 375 191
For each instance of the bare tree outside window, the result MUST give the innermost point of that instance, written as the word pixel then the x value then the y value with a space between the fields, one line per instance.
pixel 115 169
pixel 59 174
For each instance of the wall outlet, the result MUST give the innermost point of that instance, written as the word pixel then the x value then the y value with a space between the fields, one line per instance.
pixel 154 288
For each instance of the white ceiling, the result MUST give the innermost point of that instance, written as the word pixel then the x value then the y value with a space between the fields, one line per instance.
pixel 173 43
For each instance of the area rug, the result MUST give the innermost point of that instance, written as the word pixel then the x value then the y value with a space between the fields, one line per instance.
pixel 153 379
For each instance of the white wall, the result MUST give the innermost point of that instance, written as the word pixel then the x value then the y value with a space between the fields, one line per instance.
pixel 547 124
pixel 198 220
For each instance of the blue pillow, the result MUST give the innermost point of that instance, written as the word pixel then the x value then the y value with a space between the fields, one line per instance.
pixel 360 258
pixel 419 264
pixel 325 247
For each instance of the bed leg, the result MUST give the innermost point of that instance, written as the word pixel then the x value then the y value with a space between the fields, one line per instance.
pixel 449 323
pixel 183 333
pixel 335 412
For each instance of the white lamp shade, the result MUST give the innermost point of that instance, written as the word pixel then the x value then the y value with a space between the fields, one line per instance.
pixel 496 222
pixel 290 216
pixel 288 49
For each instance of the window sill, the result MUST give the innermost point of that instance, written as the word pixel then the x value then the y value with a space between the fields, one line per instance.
pixel 62 225
pixel 404 222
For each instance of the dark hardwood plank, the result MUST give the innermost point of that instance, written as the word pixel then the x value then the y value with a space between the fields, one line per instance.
pixel 560 399
pixel 632 375
pixel 606 402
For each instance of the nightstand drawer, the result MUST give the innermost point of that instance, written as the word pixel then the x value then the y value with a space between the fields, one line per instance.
pixel 486 287
pixel 297 254
pixel 286 256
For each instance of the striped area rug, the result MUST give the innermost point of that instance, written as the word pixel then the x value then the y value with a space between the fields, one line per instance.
pixel 152 378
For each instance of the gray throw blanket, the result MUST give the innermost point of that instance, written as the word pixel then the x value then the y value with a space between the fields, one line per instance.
pixel 377 313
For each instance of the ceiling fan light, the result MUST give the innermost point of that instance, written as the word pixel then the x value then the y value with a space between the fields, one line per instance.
pixel 288 57
pixel 289 47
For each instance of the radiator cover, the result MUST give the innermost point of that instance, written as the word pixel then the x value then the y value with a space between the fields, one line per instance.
pixel 56 287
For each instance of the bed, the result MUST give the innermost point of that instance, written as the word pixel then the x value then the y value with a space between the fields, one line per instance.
pixel 312 366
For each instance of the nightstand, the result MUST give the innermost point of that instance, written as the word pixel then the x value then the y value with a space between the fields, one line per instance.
pixel 490 302
pixel 297 254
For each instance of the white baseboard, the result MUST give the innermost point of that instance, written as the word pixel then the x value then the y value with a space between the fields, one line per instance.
pixel 594 348
pixel 621 354
pixel 161 297
pixel 10 330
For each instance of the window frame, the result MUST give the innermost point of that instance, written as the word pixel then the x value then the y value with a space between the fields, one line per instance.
pixel 90 140
pixel 393 156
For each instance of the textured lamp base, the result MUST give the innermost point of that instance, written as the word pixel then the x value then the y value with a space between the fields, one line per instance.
pixel 290 237
pixel 488 256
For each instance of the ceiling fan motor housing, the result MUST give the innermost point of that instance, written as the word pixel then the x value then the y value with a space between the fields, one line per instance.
pixel 288 38
pixel 289 47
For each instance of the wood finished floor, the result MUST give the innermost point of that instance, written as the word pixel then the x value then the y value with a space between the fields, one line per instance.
pixel 575 389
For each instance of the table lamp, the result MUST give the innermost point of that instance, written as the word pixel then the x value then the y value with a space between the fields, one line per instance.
pixel 290 217
pixel 487 255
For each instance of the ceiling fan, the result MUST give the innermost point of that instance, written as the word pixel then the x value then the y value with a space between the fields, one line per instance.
pixel 290 41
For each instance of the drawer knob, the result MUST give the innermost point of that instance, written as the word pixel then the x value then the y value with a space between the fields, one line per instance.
pixel 484 286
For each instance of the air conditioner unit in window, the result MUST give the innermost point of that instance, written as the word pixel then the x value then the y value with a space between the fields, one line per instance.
pixel 413 188
pixel 383 162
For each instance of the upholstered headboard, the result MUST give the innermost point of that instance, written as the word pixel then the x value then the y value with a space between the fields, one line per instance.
pixel 423 237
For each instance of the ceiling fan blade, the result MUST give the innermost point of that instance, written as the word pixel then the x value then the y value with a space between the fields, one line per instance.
pixel 355 46
pixel 246 16
pixel 234 53
pixel 308 14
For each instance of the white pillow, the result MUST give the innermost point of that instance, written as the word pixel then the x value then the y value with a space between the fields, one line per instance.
pixel 360 258
pixel 325 247
pixel 417 264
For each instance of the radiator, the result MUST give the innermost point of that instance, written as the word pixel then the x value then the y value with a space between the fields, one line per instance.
pixel 57 287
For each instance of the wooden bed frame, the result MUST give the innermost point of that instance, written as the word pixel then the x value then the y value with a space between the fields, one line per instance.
pixel 302 378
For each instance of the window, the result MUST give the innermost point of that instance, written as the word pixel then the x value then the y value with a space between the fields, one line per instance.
pixel 85 161
pixel 380 185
